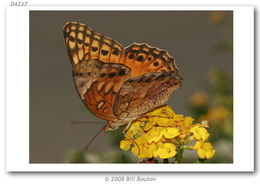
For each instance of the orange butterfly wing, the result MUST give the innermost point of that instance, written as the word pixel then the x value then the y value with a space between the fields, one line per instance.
pixel 83 43
pixel 96 74
pixel 142 58
pixel 98 84
pixel 114 82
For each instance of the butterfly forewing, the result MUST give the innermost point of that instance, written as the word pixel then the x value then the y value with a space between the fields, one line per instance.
pixel 83 43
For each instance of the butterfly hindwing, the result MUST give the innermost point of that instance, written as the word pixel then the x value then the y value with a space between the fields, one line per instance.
pixel 143 59
pixel 143 93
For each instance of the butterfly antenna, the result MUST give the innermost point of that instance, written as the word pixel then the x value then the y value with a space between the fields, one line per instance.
pixel 99 131
pixel 84 122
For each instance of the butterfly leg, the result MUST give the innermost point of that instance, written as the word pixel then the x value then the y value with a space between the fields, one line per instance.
pixel 127 126
pixel 124 132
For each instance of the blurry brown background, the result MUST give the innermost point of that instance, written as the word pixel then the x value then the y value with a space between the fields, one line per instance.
pixel 190 37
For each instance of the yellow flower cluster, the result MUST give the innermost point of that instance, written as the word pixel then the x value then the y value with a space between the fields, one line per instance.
pixel 161 132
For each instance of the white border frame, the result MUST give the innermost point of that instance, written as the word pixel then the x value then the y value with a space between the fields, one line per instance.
pixel 17 95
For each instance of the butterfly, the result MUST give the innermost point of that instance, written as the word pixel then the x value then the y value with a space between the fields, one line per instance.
pixel 118 84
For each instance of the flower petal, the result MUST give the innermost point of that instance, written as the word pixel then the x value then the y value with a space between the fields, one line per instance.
pixel 125 144
pixel 170 132
pixel 167 151
pixel 205 150
pixel 200 133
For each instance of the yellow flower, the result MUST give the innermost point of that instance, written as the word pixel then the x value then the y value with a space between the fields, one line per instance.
pixel 164 122
pixel 205 150
pixel 135 129
pixel 162 111
pixel 161 131
pixel 149 150
pixel 135 150
pixel 188 121
pixel 148 126
pixel 200 133
pixel 178 118
pixel 125 144
pixel 163 116
pixel 139 146
pixel 155 134
pixel 166 150
pixel 170 132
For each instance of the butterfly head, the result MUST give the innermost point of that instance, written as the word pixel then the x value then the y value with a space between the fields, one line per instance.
pixel 114 124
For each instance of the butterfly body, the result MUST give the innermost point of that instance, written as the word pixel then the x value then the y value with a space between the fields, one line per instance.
pixel 118 84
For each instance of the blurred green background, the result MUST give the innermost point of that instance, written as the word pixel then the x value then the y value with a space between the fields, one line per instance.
pixel 200 41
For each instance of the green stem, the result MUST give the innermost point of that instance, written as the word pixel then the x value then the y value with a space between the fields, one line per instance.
pixel 179 155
